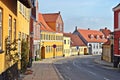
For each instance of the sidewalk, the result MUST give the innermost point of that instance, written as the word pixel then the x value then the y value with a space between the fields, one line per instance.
pixel 42 70
pixel 102 62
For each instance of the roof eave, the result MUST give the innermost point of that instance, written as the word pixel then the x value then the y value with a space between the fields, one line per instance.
pixel 27 3
pixel 117 7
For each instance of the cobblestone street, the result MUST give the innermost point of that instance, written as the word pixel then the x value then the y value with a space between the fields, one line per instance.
pixel 42 70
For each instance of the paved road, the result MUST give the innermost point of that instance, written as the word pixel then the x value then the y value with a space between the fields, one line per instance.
pixel 84 68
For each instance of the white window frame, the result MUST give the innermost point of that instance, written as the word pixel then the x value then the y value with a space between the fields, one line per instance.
pixel 119 43
pixel 117 29
pixel 1 14
pixel 57 26
pixel 10 27
pixel 14 29
pixel 119 20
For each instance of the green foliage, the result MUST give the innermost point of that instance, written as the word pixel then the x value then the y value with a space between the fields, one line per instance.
pixel 24 55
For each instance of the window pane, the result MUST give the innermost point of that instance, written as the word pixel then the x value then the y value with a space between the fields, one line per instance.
pixel 10 28
pixel 14 29
pixel 0 29
pixel 119 20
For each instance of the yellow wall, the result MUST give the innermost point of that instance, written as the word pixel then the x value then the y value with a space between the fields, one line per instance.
pixel 74 50
pixel 66 49
pixel 48 43
pixel 106 53
pixel 23 25
pixel 23 19
pixel 82 50
pixel 9 8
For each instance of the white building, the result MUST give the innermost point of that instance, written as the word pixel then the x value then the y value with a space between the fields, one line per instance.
pixel 92 38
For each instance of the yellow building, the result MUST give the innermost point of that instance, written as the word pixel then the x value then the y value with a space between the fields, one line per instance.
pixel 66 46
pixel 77 46
pixel 8 17
pixel 9 38
pixel 23 32
pixel 51 43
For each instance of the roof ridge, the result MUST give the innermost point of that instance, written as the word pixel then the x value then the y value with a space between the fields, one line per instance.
pixel 49 13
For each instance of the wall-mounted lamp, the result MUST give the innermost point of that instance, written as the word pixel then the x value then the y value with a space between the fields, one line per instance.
pixel 31 34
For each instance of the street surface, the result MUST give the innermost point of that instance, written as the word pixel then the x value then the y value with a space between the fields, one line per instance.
pixel 84 68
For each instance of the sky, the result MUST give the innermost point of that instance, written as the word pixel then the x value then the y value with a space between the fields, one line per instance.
pixel 93 14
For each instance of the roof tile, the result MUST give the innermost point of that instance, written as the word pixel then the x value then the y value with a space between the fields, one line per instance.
pixel 44 25
pixel 90 35
pixel 51 17
pixel 75 40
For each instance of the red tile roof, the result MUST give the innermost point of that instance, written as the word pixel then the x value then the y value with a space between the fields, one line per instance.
pixel 44 26
pixel 107 43
pixel 51 17
pixel 106 32
pixel 75 40
pixel 90 35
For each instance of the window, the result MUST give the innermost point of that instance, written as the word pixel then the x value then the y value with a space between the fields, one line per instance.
pixel 0 29
pixel 10 28
pixel 14 29
pixel 100 45
pixel 64 41
pixel 94 46
pixel 119 43
pixel 20 7
pixel 57 26
pixel 61 28
pixel 97 36
pixel 119 20
pixel 97 46
pixel 68 41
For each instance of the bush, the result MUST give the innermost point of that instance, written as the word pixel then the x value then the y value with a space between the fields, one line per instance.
pixel 24 55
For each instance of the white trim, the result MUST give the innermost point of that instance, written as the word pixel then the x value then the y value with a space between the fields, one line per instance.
pixel 36 41
pixel 117 29
pixel 116 55
pixel 115 9
pixel 119 20
pixel 52 40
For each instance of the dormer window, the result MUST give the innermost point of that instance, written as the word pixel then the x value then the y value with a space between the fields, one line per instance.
pixel 103 37
pixel 97 37
pixel 90 36
pixel 107 37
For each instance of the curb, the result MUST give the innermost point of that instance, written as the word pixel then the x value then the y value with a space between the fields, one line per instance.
pixel 56 70
pixel 100 62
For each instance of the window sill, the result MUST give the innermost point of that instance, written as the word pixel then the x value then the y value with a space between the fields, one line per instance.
pixel 1 51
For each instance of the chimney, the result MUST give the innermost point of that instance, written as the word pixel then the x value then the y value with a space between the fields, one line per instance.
pixel 59 12
pixel 105 28
pixel 76 28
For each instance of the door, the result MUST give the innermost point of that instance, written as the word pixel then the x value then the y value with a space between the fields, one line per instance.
pixel 43 52
pixel 85 51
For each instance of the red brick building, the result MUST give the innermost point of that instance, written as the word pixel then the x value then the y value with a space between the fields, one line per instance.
pixel 34 31
pixel 54 20
pixel 116 35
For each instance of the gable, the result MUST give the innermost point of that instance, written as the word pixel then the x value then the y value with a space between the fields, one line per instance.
pixel 59 19
pixel 117 7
